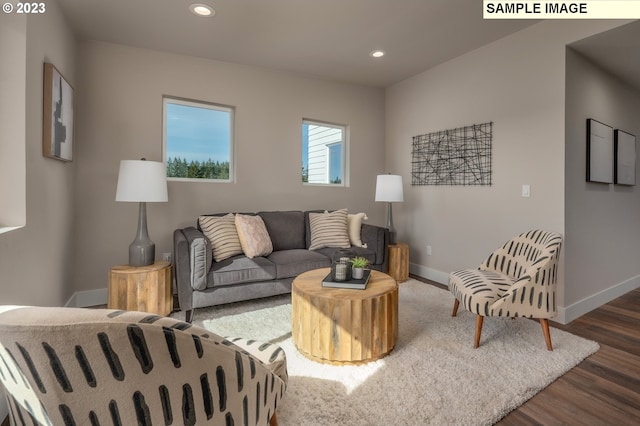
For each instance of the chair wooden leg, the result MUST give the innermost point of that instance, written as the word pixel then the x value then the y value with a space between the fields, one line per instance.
pixel 545 330
pixel 455 308
pixel 274 420
pixel 479 320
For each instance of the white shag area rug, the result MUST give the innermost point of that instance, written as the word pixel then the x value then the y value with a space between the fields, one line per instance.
pixel 433 376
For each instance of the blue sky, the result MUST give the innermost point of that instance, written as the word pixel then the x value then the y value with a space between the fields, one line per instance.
pixel 198 133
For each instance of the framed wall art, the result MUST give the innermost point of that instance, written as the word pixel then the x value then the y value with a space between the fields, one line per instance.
pixel 599 152
pixel 625 158
pixel 459 156
pixel 57 126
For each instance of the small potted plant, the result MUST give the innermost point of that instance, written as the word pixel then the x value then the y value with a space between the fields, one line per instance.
pixel 358 264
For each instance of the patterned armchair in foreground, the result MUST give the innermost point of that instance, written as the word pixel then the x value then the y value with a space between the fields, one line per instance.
pixel 68 366
pixel 517 280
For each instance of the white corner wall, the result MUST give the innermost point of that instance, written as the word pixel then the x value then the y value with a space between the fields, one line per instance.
pixel 13 51
pixel 602 221
pixel 36 259
pixel 518 83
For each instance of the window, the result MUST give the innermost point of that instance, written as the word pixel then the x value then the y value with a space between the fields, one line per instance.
pixel 198 140
pixel 323 153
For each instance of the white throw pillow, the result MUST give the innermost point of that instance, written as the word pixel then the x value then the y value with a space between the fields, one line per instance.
pixel 355 224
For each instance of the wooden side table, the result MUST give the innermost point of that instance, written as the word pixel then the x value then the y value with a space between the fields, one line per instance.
pixel 141 288
pixel 399 261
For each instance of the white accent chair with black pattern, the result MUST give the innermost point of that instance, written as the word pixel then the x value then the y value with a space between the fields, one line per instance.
pixel 517 280
pixel 71 366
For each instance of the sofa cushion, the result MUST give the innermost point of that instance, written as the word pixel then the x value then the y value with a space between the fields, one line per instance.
pixel 221 231
pixel 254 238
pixel 291 263
pixel 241 269
pixel 329 230
pixel 286 229
pixel 354 222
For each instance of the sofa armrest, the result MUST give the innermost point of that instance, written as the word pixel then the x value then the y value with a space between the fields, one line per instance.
pixel 182 269
pixel 377 238
pixel 192 254
pixel 200 257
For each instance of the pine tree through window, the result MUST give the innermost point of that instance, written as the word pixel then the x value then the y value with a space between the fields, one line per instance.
pixel 197 139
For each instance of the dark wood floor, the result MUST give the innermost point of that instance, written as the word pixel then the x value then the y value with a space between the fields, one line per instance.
pixel 605 388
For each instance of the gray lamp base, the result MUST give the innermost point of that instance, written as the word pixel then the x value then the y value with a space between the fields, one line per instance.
pixel 392 231
pixel 142 251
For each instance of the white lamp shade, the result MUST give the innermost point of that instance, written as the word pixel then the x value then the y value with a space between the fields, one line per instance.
pixel 142 181
pixel 389 188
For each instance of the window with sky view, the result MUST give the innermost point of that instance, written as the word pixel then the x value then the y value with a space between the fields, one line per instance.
pixel 197 140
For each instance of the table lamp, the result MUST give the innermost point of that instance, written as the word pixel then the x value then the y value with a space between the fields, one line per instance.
pixel 389 190
pixel 142 182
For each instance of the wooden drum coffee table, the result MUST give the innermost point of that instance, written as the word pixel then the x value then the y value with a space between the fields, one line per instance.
pixel 337 325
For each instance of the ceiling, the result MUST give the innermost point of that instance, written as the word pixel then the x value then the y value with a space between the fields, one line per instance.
pixel 329 39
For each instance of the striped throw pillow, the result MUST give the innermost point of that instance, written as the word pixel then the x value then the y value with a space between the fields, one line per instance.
pixel 329 230
pixel 221 231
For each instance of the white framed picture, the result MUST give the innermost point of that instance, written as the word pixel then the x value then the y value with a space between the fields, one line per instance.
pixel 599 152
pixel 625 165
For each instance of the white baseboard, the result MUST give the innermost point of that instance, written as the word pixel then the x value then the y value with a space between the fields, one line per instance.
pixel 565 314
pixel 83 299
pixel 429 273
pixel 570 313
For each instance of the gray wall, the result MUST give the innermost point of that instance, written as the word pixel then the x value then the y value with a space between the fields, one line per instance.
pixel 602 221
pixel 120 117
pixel 517 82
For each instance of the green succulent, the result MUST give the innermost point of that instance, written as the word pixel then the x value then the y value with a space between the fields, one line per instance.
pixel 359 262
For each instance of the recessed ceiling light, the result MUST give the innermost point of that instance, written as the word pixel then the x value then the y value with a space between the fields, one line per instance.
pixel 377 53
pixel 201 9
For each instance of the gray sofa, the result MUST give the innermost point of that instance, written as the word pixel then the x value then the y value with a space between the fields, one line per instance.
pixel 203 282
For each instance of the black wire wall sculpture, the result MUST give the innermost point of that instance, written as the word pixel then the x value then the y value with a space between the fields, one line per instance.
pixel 459 156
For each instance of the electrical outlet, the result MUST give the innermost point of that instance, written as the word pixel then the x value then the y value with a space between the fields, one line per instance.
pixel 166 257
pixel 428 250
